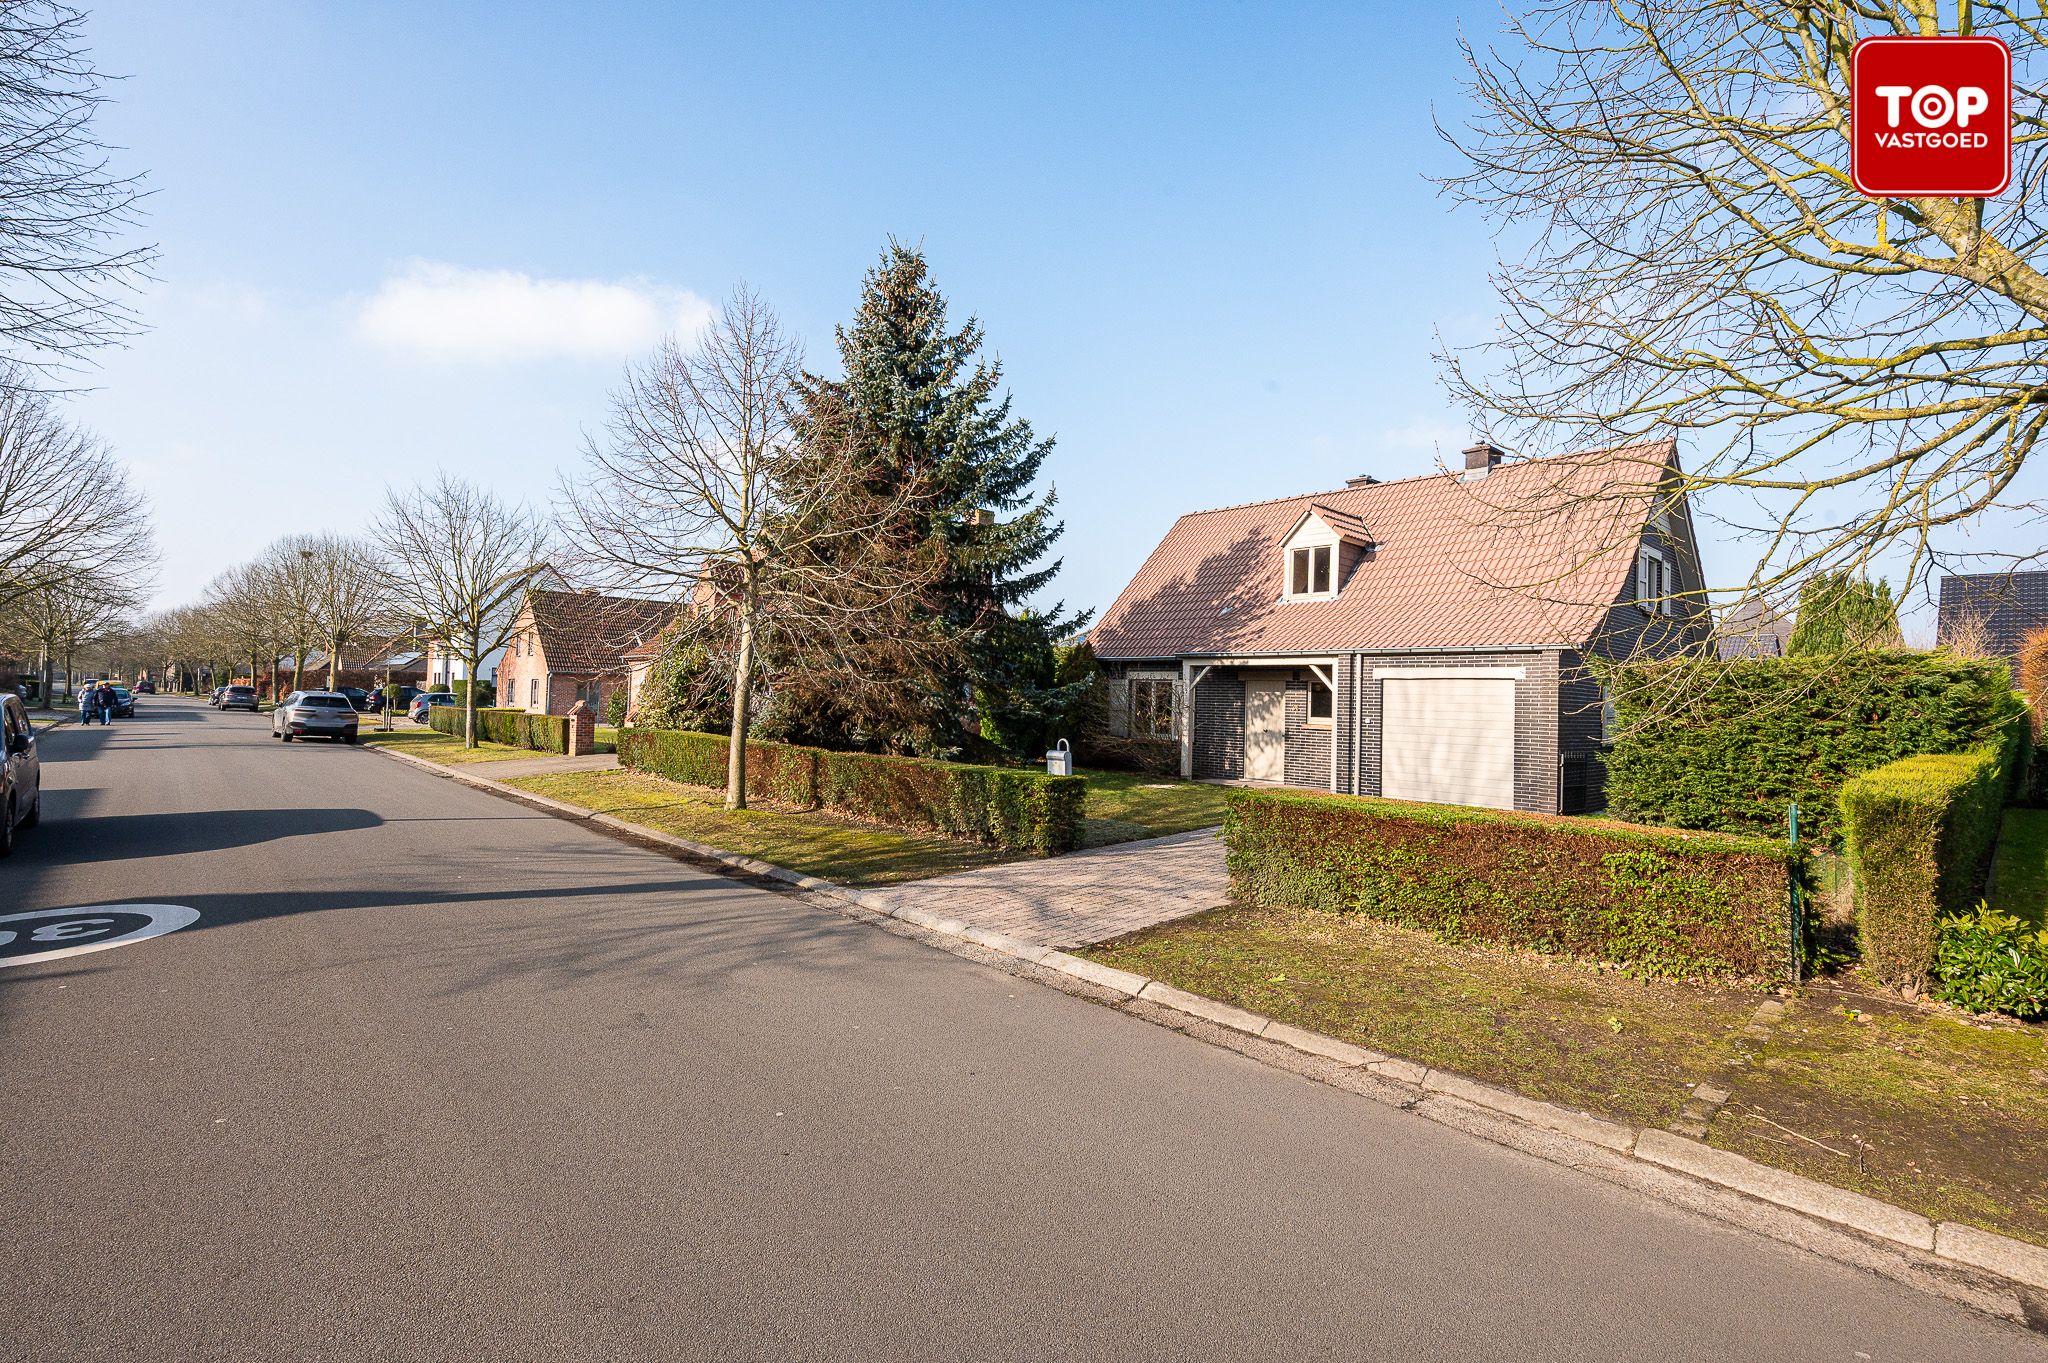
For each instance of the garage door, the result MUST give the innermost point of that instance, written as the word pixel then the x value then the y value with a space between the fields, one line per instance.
pixel 1449 740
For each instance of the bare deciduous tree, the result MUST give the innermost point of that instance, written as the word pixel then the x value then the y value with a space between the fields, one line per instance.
pixel 1855 375
pixel 461 560
pixel 686 496
pixel 346 595
pixel 66 506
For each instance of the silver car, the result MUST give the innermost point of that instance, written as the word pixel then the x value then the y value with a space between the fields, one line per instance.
pixel 307 714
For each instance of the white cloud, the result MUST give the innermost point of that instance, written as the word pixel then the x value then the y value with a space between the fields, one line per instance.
pixel 450 312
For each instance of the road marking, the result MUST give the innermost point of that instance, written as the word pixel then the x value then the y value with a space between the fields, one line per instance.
pixel 53 934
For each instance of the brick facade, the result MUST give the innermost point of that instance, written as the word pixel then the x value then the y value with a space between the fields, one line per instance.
pixel 1219 726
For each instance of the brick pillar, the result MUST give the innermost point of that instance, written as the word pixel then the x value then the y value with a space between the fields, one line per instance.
pixel 582 729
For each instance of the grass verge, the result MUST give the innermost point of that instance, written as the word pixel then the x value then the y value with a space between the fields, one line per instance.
pixel 1125 806
pixel 818 844
pixel 1914 1105
pixel 443 748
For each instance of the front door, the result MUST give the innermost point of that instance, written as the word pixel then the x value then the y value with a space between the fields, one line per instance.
pixel 1265 727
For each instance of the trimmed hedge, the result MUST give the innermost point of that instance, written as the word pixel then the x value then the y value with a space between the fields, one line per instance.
pixel 1013 808
pixel 1728 745
pixel 1919 834
pixel 1666 903
pixel 513 727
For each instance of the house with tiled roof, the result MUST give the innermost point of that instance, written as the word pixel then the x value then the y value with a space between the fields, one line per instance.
pixel 569 646
pixel 1991 613
pixel 1421 639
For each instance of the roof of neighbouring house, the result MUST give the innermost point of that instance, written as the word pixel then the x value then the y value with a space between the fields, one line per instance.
pixel 589 632
pixel 1993 611
pixel 1753 629
pixel 1531 555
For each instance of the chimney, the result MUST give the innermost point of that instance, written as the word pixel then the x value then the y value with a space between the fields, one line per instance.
pixel 1362 480
pixel 1480 458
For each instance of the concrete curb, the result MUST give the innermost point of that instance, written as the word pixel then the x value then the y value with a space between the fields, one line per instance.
pixel 2019 1264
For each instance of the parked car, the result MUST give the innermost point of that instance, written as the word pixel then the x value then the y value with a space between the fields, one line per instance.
pixel 314 714
pixel 357 696
pixel 21 773
pixel 124 703
pixel 145 687
pixel 218 692
pixel 238 698
pixel 426 701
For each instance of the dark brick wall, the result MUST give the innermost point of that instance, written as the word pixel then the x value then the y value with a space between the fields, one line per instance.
pixel 1219 726
pixel 1536 718
pixel 1308 748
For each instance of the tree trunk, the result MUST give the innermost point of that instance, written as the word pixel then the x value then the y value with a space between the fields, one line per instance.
pixel 50 678
pixel 470 664
pixel 298 670
pixel 742 679
pixel 333 661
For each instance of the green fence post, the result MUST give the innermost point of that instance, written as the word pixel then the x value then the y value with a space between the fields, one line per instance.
pixel 1798 908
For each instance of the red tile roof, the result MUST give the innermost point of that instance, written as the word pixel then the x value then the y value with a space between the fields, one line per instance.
pixel 589 632
pixel 1533 554
pixel 1348 527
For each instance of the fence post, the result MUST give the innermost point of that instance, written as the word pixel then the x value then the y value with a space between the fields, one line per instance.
pixel 1798 906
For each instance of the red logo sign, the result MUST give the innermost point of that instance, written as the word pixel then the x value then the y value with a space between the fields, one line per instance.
pixel 1930 117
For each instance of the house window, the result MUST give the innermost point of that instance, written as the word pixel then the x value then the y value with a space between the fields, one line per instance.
pixel 532 692
pixel 1653 582
pixel 1607 714
pixel 1152 708
pixel 1310 571
pixel 1322 703
pixel 591 693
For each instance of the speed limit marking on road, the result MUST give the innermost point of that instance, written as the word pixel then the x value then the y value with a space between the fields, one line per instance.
pixel 53 934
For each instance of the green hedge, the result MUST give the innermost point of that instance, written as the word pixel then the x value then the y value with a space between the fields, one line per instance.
pixel 1684 905
pixel 1727 746
pixel 1919 834
pixel 513 727
pixel 1014 808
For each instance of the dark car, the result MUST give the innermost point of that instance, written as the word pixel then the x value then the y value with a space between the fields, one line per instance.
pixel 124 703
pixel 21 773
pixel 357 696
pixel 145 687
pixel 238 698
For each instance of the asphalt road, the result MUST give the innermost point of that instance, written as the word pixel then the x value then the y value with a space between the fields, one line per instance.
pixel 436 1077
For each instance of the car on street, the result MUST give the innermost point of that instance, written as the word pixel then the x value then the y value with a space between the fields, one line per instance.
pixel 145 687
pixel 237 698
pixel 427 701
pixel 21 773
pixel 357 696
pixel 314 714
pixel 124 703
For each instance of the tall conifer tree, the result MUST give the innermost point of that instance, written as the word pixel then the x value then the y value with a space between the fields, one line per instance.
pixel 919 412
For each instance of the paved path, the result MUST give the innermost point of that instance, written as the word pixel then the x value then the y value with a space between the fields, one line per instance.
pixel 544 766
pixel 1085 896
pixel 437 1076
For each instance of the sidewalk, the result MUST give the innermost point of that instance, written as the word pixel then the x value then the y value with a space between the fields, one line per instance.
pixel 550 766
pixel 1083 897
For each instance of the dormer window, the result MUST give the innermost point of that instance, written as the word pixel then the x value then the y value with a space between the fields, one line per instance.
pixel 1311 572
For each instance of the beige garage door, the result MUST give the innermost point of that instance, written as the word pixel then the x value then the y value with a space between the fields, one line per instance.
pixel 1448 740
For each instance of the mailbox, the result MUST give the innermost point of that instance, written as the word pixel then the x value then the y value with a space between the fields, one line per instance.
pixel 1060 760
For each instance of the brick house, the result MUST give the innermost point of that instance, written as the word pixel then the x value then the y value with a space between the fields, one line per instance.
pixel 568 646
pixel 1991 613
pixel 1420 639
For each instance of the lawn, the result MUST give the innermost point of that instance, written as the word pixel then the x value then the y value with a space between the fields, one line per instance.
pixel 2019 879
pixel 443 748
pixel 839 850
pixel 1916 1105
pixel 1124 806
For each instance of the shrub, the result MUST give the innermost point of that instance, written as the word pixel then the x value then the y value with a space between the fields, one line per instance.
pixel 1990 962
pixel 1017 809
pixel 1919 835
pixel 1661 902
pixel 486 693
pixel 512 727
pixel 1728 745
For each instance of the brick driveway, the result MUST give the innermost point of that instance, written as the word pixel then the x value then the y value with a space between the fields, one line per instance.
pixel 1082 897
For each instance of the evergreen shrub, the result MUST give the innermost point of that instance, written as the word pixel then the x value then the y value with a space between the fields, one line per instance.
pixel 1728 745
pixel 513 727
pixel 1919 834
pixel 1991 962
pixel 1012 808
pixel 1662 902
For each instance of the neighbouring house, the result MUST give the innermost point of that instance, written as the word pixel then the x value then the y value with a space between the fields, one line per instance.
pixel 444 668
pixel 1421 639
pixel 1991 613
pixel 1753 629
pixel 568 646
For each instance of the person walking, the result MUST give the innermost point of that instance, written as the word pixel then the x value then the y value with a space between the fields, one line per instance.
pixel 88 704
pixel 105 698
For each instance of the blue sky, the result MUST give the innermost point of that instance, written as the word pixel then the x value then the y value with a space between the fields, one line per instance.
pixel 1202 238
